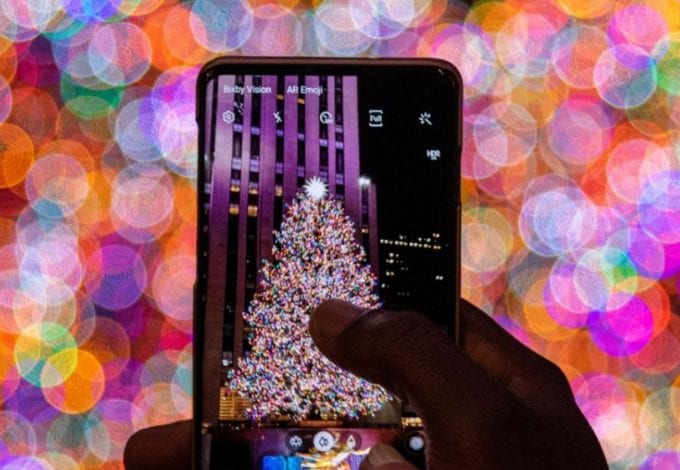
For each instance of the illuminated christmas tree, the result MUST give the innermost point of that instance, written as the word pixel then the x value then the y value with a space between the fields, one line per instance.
pixel 315 257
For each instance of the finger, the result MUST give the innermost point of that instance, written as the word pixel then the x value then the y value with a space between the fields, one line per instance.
pixel 533 379
pixel 505 359
pixel 413 358
pixel 160 447
pixel 402 351
pixel 384 457
pixel 536 381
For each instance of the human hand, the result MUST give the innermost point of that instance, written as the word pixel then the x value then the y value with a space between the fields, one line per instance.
pixel 490 403
pixel 160 447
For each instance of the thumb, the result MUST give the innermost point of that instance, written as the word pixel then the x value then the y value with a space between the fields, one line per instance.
pixel 167 447
pixel 383 347
pixel 413 358
pixel 384 457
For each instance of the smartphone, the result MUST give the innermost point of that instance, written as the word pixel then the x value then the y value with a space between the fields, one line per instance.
pixel 318 178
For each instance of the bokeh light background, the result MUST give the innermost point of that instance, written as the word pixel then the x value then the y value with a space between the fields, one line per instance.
pixel 571 199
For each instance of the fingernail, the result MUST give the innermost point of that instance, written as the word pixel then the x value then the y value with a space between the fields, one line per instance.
pixel 331 318
pixel 383 454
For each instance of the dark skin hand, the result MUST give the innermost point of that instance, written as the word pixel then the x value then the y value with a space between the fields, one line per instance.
pixel 489 403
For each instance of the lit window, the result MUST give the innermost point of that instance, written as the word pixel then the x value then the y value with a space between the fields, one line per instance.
pixel 233 209
pixel 252 211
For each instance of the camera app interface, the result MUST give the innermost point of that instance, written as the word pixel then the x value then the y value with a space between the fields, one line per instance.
pixel 320 187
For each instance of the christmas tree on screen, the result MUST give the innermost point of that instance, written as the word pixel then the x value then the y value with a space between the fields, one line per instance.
pixel 315 257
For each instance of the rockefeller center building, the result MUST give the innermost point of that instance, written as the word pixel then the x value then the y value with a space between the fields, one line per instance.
pixel 272 134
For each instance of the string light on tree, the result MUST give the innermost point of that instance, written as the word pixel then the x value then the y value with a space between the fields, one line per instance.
pixel 315 257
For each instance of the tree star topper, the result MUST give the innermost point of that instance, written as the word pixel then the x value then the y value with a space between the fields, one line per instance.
pixel 315 188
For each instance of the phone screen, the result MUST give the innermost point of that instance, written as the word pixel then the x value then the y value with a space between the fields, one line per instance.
pixel 320 184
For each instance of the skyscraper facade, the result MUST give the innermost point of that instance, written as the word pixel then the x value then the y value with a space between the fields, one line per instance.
pixel 272 134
